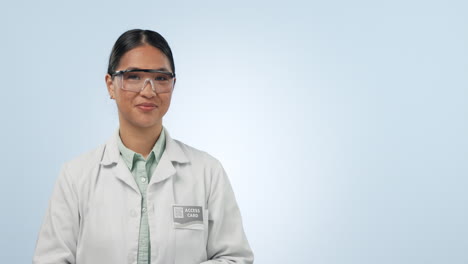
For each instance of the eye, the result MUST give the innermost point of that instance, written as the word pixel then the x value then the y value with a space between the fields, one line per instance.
pixel 162 77
pixel 133 77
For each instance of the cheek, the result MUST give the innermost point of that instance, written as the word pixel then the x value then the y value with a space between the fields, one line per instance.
pixel 166 98
pixel 124 101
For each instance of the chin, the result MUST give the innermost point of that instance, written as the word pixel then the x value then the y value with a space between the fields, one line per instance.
pixel 143 124
pixel 140 121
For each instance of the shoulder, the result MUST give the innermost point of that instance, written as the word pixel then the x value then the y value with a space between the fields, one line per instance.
pixel 84 162
pixel 197 156
pixel 203 167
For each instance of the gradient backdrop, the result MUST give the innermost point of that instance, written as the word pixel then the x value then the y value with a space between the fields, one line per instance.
pixel 341 124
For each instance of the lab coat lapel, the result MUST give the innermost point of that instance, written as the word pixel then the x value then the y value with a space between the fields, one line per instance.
pixel 172 154
pixel 121 171
pixel 164 170
pixel 111 159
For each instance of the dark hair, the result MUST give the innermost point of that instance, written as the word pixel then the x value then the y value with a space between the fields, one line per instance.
pixel 135 38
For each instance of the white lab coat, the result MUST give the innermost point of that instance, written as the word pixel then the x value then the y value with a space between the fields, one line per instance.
pixel 95 209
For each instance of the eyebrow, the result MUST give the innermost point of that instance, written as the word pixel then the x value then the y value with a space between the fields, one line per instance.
pixel 159 69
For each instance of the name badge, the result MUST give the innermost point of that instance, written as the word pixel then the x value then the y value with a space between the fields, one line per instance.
pixel 187 215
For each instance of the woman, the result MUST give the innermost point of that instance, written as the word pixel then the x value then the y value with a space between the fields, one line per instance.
pixel 142 197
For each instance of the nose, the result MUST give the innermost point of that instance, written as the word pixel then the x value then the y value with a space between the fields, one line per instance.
pixel 149 90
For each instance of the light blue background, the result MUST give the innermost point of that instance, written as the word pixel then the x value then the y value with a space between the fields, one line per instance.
pixel 341 124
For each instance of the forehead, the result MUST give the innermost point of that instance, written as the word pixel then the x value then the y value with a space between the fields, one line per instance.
pixel 144 57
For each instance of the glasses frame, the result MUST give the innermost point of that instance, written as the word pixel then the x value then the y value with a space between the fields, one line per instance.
pixel 153 85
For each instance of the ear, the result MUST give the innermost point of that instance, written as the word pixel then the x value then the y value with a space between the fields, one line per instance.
pixel 110 86
pixel 175 79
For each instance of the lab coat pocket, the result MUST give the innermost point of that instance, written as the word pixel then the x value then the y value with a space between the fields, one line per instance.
pixel 191 241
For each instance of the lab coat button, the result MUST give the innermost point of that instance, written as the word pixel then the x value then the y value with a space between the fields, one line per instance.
pixel 144 209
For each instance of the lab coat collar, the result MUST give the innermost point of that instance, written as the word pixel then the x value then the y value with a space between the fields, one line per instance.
pixel 173 150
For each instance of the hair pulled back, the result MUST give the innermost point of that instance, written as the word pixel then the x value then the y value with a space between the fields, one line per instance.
pixel 134 38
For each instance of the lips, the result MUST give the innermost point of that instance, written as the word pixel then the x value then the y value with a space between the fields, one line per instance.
pixel 146 107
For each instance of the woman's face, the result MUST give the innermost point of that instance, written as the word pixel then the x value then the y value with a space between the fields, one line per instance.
pixel 130 114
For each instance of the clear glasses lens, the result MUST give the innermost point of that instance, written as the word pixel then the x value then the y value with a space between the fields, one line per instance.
pixel 136 81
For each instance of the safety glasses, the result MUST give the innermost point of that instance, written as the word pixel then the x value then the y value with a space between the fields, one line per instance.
pixel 135 80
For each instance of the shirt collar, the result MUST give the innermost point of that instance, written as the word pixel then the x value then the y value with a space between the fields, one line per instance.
pixel 129 155
pixel 172 149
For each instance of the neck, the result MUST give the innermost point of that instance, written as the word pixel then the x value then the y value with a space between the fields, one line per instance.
pixel 140 140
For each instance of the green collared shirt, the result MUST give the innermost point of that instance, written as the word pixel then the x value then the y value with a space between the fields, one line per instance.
pixel 142 170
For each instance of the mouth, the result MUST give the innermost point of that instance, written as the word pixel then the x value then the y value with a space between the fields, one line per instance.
pixel 146 107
